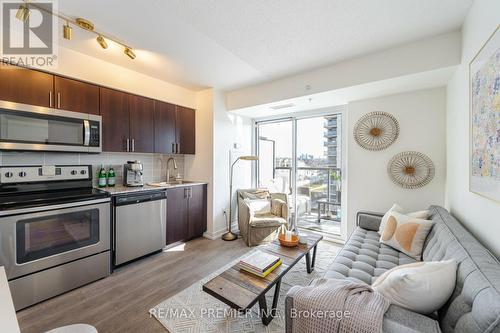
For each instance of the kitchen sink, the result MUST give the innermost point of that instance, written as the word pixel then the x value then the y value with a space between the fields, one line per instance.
pixel 175 182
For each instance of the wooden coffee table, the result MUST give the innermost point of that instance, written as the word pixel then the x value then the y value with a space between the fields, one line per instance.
pixel 241 290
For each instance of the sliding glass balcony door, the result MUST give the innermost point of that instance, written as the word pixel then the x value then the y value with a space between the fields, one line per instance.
pixel 301 157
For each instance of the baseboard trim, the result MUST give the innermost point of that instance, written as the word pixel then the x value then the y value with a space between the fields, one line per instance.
pixel 217 234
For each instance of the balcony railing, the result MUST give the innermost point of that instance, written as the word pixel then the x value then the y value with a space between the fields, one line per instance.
pixel 325 180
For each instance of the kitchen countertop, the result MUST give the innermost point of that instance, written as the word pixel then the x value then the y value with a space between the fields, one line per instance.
pixel 121 189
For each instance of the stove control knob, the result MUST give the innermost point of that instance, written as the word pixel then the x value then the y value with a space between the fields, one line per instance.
pixel 83 172
pixel 9 174
pixel 73 172
pixel 22 174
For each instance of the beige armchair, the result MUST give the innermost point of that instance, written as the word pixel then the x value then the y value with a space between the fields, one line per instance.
pixel 256 228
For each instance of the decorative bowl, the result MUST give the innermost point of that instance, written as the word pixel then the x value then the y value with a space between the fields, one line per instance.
pixel 292 243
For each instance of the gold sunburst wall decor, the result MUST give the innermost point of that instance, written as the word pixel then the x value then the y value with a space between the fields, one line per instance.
pixel 411 169
pixel 376 130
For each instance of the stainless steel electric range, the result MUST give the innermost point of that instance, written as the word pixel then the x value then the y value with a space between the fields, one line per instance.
pixel 54 230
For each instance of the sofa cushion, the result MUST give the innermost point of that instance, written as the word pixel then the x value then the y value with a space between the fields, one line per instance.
pixel 398 319
pixel 364 258
pixel 267 220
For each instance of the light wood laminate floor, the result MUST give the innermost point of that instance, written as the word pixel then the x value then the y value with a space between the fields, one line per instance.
pixel 120 302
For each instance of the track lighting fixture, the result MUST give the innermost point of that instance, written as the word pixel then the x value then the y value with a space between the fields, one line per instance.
pixel 128 51
pixel 102 42
pixel 67 31
pixel 23 12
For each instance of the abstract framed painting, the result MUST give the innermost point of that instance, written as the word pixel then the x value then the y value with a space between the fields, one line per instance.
pixel 484 100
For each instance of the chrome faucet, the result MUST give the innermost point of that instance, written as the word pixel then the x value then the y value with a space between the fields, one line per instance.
pixel 168 167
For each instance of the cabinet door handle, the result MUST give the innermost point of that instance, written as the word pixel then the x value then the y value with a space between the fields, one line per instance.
pixel 178 148
pixel 185 193
pixel 133 144
pixel 58 100
pixel 128 144
pixel 50 98
pixel 190 192
pixel 173 148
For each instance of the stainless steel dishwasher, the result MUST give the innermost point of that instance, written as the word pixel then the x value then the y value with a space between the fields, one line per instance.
pixel 139 222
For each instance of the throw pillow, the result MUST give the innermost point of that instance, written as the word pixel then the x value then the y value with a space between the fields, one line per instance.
pixel 259 206
pixel 406 234
pixel 423 287
pixel 421 214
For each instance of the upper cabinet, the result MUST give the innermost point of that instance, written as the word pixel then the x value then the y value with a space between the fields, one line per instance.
pixel 164 124
pixel 141 111
pixel 21 85
pixel 174 129
pixel 130 123
pixel 127 122
pixel 115 120
pixel 185 130
pixel 73 95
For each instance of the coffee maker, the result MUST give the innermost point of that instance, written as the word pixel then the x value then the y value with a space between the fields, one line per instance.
pixel 132 174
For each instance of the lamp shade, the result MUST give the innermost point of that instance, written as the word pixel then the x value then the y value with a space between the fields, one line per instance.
pixel 249 158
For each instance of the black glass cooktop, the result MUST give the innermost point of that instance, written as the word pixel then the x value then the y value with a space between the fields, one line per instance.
pixel 18 199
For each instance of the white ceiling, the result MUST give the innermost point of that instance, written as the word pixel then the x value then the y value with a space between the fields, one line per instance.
pixel 229 44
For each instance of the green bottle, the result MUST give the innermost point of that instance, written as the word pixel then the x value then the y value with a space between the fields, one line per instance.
pixel 102 177
pixel 111 177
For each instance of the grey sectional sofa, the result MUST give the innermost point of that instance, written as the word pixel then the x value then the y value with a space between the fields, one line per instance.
pixel 475 303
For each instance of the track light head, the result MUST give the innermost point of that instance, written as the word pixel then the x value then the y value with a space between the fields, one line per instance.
pixel 67 31
pixel 128 51
pixel 102 42
pixel 23 12
pixel 85 24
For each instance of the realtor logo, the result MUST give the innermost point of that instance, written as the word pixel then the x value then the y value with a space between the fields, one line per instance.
pixel 28 33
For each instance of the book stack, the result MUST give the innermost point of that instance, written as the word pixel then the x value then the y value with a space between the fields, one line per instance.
pixel 259 263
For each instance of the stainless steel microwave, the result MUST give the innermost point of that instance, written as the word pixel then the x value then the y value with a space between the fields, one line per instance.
pixel 28 127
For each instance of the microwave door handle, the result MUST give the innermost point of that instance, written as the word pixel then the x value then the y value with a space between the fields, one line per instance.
pixel 86 133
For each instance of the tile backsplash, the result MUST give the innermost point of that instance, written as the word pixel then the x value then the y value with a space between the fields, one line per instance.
pixel 155 165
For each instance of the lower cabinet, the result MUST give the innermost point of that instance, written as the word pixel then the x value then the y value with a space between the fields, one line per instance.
pixel 186 213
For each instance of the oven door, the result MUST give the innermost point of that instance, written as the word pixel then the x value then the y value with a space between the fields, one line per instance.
pixel 33 242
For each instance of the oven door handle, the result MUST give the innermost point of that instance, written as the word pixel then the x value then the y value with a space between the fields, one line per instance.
pixel 52 207
pixel 86 132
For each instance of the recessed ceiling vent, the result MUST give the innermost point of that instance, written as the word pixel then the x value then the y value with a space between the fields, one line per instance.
pixel 282 106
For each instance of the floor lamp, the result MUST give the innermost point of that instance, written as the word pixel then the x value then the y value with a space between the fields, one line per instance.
pixel 230 236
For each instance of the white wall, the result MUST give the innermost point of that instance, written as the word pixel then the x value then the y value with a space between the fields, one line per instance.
pixel 479 215
pixel 421 116
pixel 217 131
pixel 229 129
pixel 87 68
pixel 199 167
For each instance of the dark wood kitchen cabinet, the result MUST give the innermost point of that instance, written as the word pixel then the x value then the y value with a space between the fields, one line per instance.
pixel 185 130
pixel 115 120
pixel 177 215
pixel 197 222
pixel 127 122
pixel 174 129
pixel 186 213
pixel 141 110
pixel 22 85
pixel 130 123
pixel 164 123
pixel 73 95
